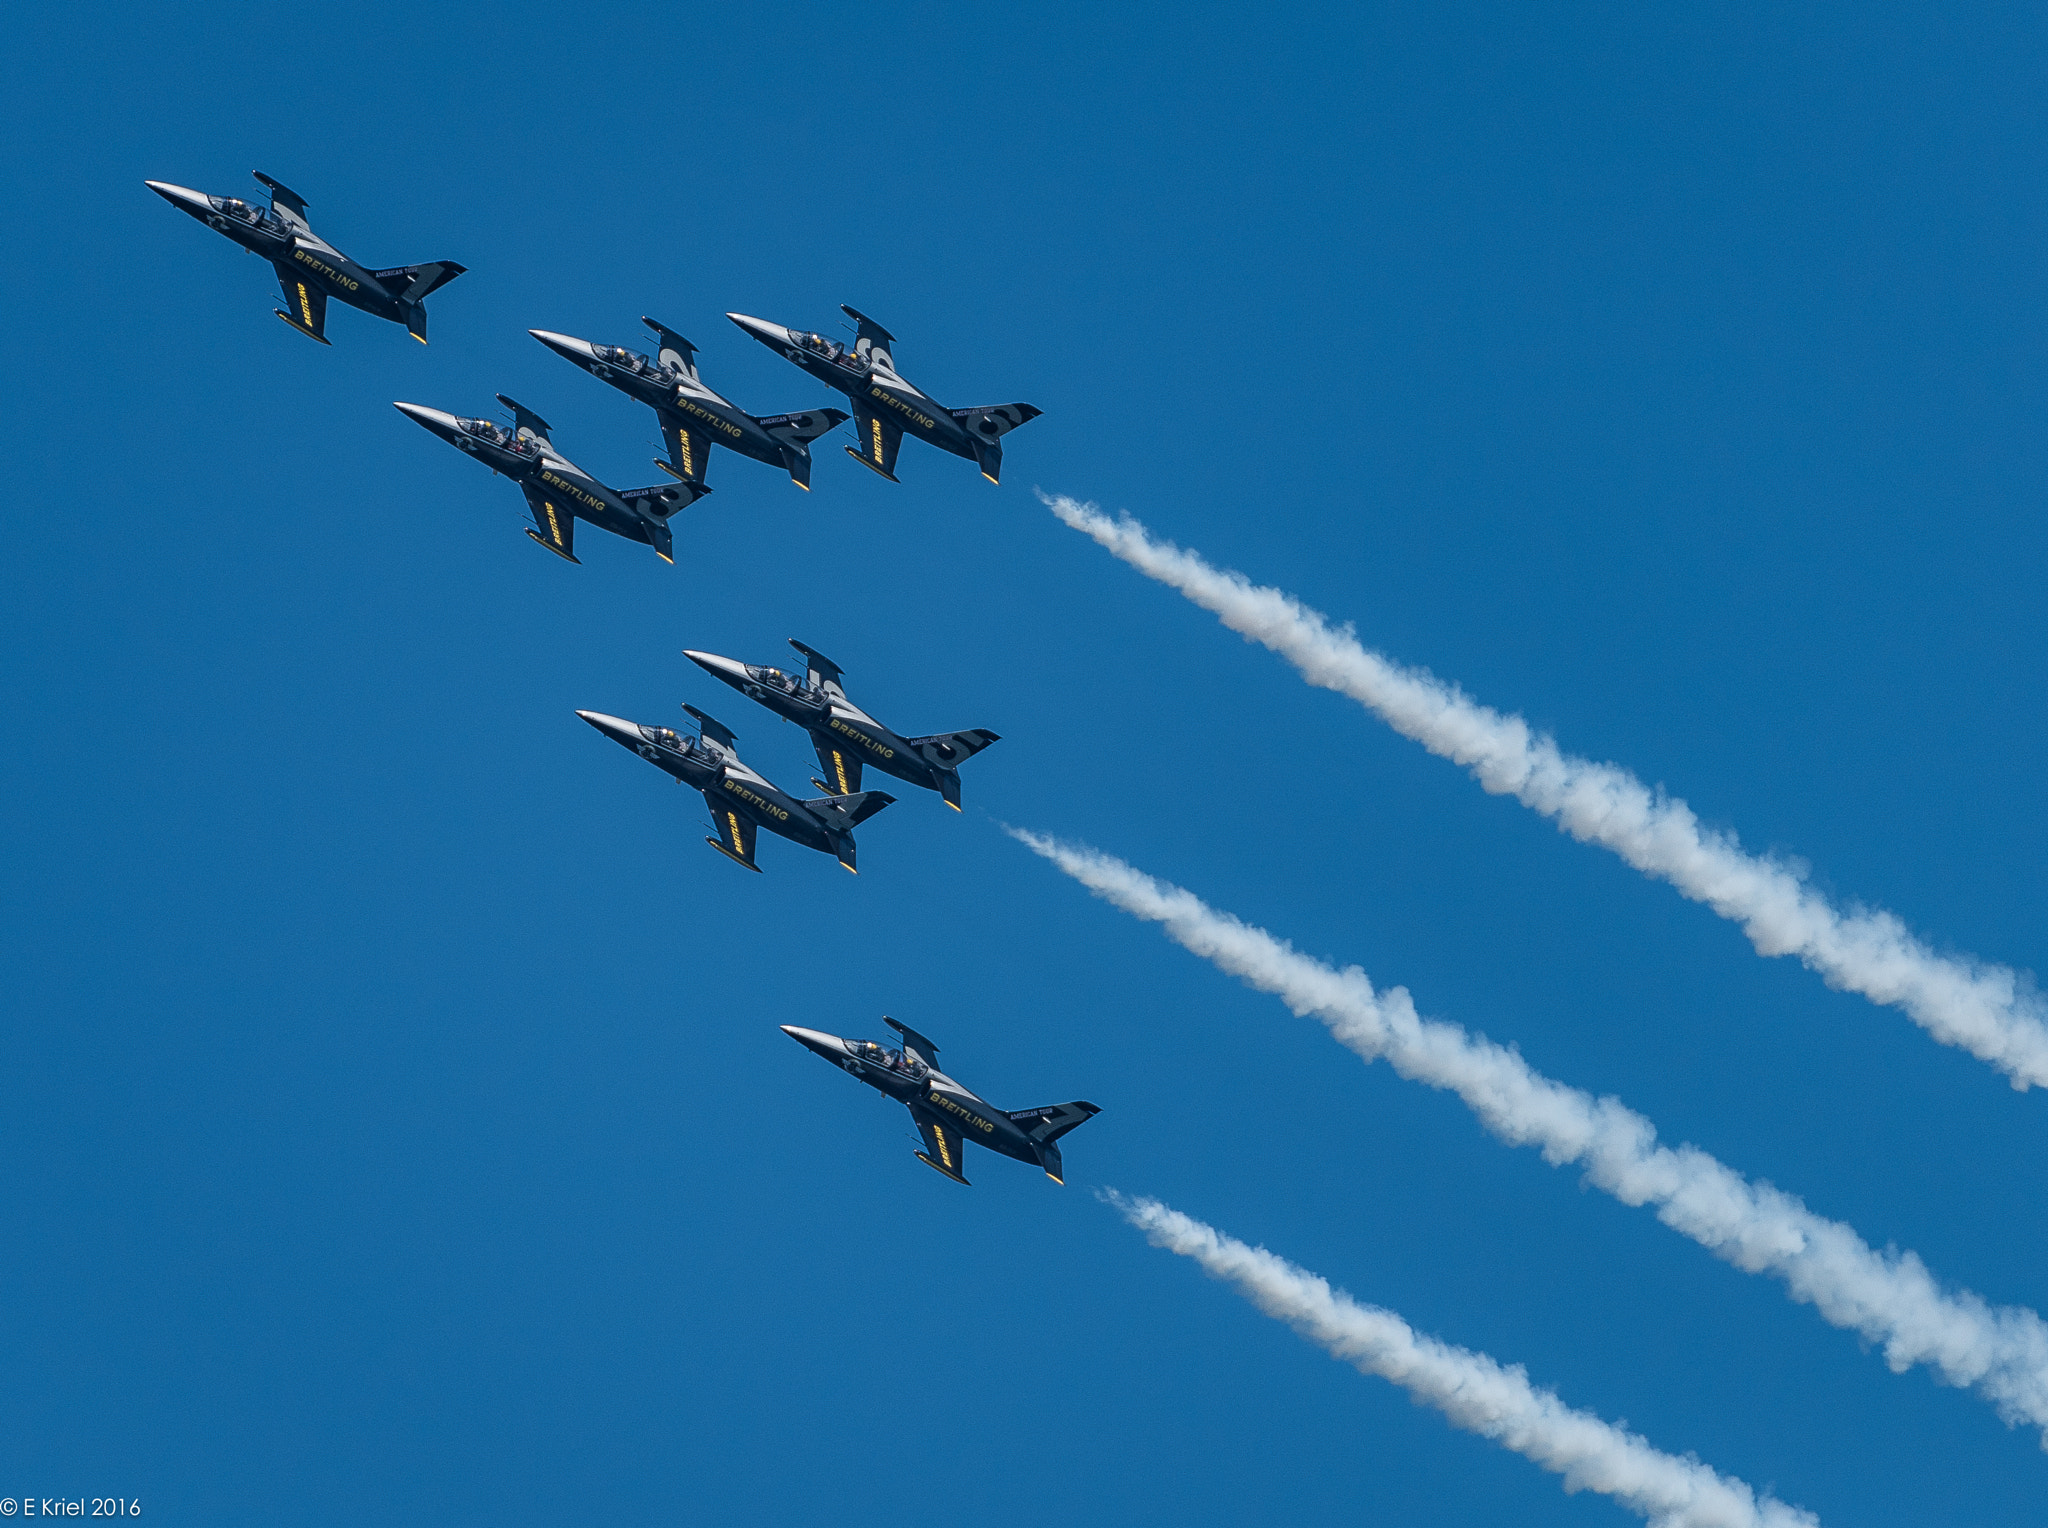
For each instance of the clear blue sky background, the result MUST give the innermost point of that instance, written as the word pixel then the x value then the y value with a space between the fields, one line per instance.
pixel 393 1122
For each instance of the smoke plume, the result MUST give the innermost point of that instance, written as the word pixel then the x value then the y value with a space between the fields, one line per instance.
pixel 1472 1390
pixel 1988 1010
pixel 1888 1298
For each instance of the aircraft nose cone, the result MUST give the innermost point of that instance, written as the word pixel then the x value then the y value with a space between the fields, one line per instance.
pixel 816 1040
pixel 194 202
pixel 565 345
pixel 439 421
pixel 617 728
pixel 731 670
pixel 761 329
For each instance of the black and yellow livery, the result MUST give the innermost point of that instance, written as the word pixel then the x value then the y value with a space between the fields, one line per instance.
pixel 693 418
pixel 845 736
pixel 309 269
pixel 742 801
pixel 886 406
pixel 947 1115
pixel 558 492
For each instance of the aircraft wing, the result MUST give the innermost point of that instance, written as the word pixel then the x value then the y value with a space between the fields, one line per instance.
pixel 842 769
pixel 305 305
pixel 879 439
pixel 557 526
pixel 735 833
pixel 943 1147
pixel 689 449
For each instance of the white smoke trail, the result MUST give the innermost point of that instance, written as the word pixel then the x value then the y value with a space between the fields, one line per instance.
pixel 1472 1390
pixel 1888 1298
pixel 1988 1010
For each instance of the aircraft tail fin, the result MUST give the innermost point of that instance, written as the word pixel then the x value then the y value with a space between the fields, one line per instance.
pixel 944 751
pixel 1044 1126
pixel 795 432
pixel 986 428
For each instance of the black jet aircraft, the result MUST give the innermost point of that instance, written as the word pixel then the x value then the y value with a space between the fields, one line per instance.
pixel 310 269
pixel 884 405
pixel 741 800
pixel 844 735
pixel 947 1115
pixel 558 492
pixel 693 417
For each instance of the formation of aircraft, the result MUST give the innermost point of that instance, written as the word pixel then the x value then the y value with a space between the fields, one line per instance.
pixel 558 492
pixel 948 1116
pixel 693 419
pixel 309 268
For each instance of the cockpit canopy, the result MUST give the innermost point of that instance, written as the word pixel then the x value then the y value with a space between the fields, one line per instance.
pixel 831 350
pixel 894 1060
pixel 632 360
pixel 775 679
pixel 669 738
pixel 235 207
pixel 497 435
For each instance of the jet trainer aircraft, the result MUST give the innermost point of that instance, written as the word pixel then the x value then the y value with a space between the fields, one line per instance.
pixel 844 735
pixel 693 417
pixel 558 492
pixel 310 269
pixel 884 404
pixel 741 800
pixel 947 1115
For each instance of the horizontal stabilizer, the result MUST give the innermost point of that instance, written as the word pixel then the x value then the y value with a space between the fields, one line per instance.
pixel 859 806
pixel 992 421
pixel 412 283
pixel 664 499
pixel 796 429
pixel 946 749
pixel 1048 1123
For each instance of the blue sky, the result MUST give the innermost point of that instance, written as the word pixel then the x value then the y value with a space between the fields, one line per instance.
pixel 395 1121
